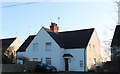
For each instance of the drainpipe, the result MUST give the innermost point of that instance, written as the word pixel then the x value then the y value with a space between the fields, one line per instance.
pixel 85 60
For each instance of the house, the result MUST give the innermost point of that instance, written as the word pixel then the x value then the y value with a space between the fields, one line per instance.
pixel 8 47
pixel 77 50
pixel 115 45
pixel 114 64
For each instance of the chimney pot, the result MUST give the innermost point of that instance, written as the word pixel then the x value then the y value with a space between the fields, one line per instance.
pixel 54 27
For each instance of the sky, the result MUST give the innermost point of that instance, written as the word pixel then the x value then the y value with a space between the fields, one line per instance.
pixel 20 19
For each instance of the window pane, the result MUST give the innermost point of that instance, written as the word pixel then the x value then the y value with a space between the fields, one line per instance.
pixel 48 46
pixel 48 61
pixel 81 63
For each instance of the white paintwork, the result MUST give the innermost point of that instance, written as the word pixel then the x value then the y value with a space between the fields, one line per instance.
pixel 78 55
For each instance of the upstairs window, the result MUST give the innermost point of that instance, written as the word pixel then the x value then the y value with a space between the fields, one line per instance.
pixel 90 46
pixel 35 46
pixel 94 46
pixel 48 46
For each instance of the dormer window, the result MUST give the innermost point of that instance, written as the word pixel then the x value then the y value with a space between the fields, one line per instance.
pixel 48 46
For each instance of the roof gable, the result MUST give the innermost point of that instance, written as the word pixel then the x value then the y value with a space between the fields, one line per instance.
pixel 67 40
pixel 116 37
pixel 5 43
pixel 26 43
pixel 72 39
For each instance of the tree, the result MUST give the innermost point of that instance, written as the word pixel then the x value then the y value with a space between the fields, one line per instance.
pixel 10 54
pixel 106 51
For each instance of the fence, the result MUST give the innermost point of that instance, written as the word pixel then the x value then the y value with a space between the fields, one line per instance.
pixel 18 67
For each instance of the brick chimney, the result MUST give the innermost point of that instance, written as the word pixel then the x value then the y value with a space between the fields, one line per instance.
pixel 54 27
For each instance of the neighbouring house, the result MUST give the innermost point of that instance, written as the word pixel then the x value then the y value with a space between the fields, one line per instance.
pixel 114 64
pixel 77 50
pixel 115 45
pixel 8 47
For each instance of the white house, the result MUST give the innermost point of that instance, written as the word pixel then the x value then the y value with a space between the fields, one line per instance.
pixel 77 50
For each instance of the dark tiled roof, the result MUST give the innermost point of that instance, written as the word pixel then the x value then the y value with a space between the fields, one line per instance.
pixel 5 43
pixel 67 40
pixel 116 37
pixel 72 39
pixel 26 43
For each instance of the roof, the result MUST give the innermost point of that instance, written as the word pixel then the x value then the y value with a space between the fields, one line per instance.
pixel 72 39
pixel 116 37
pixel 67 55
pixel 26 43
pixel 67 40
pixel 5 43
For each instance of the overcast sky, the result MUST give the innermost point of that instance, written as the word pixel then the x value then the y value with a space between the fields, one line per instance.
pixel 21 19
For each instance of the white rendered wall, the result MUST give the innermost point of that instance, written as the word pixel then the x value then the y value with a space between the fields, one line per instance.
pixel 78 55
pixel 55 54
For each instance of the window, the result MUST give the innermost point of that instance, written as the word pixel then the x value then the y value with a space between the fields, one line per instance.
pixel 19 61
pixel 90 46
pixel 81 63
pixel 35 46
pixel 48 61
pixel 94 61
pixel 48 46
pixel 35 59
pixel 94 46
pixel 41 60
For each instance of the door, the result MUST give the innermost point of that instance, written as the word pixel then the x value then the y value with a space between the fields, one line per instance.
pixel 66 64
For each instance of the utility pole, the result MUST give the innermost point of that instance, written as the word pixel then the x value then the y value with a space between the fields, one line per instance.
pixel 58 20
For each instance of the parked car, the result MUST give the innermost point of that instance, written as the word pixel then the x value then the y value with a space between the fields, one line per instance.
pixel 45 68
